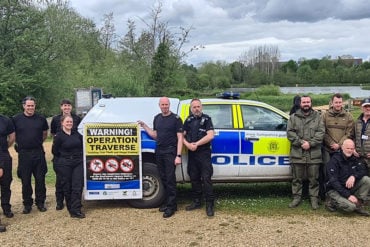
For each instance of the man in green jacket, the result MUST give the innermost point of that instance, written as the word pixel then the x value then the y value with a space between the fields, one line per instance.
pixel 338 127
pixel 305 132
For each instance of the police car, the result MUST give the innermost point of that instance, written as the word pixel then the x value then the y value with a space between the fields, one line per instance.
pixel 250 143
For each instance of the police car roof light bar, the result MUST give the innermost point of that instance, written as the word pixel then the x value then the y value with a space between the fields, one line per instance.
pixel 229 95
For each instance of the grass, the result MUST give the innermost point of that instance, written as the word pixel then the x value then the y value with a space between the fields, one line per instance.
pixel 265 199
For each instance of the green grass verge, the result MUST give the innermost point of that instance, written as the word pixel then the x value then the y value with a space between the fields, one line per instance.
pixel 263 199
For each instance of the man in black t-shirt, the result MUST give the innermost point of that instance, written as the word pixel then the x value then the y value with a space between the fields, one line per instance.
pixel 167 131
pixel 55 127
pixel 7 137
pixel 30 133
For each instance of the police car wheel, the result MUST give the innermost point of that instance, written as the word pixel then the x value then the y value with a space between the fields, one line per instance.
pixel 153 191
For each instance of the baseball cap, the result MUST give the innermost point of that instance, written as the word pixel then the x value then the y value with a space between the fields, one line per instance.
pixel 365 102
pixel 68 102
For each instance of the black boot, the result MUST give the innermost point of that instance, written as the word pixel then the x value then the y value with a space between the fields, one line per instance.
pixel 210 208
pixel 194 205
pixel 60 205
pixel 2 228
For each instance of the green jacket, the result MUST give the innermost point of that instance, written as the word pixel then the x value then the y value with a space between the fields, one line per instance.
pixel 338 127
pixel 310 128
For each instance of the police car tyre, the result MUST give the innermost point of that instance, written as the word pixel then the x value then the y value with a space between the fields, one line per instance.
pixel 153 191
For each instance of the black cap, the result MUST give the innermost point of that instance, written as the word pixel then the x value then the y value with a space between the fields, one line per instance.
pixel 65 102
pixel 365 102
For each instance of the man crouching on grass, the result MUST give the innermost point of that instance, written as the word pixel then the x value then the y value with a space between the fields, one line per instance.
pixel 347 183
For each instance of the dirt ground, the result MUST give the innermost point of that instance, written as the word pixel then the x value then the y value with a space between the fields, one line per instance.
pixel 113 223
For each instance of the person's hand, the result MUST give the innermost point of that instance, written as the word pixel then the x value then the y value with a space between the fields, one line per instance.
pixel 356 154
pixel 305 145
pixel 353 199
pixel 350 182
pixel 141 123
pixel 193 146
pixel 177 161
pixel 335 146
pixel 1 172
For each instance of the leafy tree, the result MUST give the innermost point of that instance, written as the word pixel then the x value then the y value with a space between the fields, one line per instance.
pixel 238 72
pixel 22 52
pixel 160 75
pixel 290 67
pixel 304 72
pixel 107 32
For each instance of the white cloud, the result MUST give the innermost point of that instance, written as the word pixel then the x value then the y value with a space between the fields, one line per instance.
pixel 304 28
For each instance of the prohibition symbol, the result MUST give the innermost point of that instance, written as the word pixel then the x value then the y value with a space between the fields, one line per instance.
pixel 111 165
pixel 96 165
pixel 126 165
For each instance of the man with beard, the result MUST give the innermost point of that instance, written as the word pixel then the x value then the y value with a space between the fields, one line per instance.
pixel 338 127
pixel 347 180
pixel 198 134
pixel 305 132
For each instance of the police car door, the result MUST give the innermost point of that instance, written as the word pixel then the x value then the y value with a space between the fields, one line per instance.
pixel 264 145
pixel 225 145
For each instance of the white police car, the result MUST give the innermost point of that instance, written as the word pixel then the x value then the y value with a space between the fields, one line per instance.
pixel 250 143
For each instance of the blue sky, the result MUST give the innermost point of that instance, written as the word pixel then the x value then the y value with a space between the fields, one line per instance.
pixel 229 28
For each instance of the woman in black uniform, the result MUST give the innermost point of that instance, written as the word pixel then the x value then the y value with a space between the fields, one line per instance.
pixel 68 156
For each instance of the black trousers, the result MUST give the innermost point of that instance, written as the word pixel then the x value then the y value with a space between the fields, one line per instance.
pixel 6 180
pixel 167 168
pixel 200 171
pixel 59 194
pixel 71 179
pixel 32 162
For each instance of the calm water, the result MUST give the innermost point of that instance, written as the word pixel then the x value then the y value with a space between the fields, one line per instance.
pixel 353 91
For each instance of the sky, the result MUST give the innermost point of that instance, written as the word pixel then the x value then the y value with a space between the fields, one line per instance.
pixel 227 29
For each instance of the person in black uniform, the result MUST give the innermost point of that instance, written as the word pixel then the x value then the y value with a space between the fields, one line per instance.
pixel 55 127
pixel 7 137
pixel 167 131
pixel 31 130
pixel 198 134
pixel 68 159
pixel 2 228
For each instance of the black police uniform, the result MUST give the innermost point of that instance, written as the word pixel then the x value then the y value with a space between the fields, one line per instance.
pixel 2 227
pixel 31 157
pixel 68 160
pixel 55 127
pixel 6 128
pixel 200 167
pixel 167 128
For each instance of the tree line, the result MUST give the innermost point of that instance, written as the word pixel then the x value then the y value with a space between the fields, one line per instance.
pixel 47 50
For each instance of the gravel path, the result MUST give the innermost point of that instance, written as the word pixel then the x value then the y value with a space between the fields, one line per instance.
pixel 113 223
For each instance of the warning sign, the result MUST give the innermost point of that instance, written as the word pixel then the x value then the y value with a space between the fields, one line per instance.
pixel 112 161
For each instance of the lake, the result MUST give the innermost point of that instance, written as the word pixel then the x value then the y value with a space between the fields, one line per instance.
pixel 353 91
